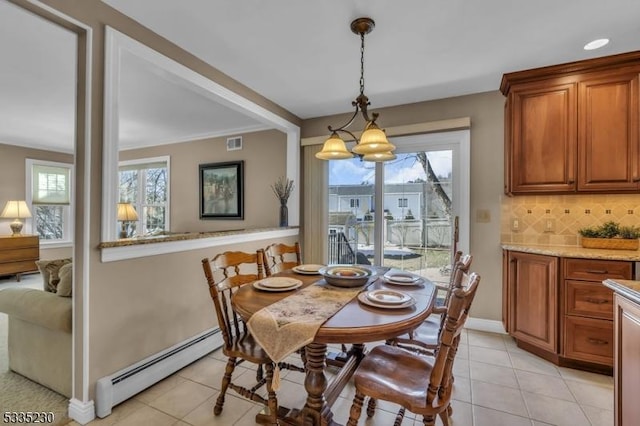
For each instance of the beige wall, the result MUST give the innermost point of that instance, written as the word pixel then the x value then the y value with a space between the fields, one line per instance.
pixel 127 331
pixel 13 186
pixel 264 155
pixel 486 113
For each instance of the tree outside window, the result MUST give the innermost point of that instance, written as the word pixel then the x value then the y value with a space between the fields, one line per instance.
pixel 49 195
pixel 145 184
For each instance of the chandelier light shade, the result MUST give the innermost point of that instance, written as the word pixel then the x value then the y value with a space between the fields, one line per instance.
pixel 373 144
pixel 16 210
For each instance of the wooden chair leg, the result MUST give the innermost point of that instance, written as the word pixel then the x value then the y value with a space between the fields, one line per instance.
pixel 356 409
pixel 226 380
pixel 399 417
pixel 259 373
pixel 272 401
pixel 444 417
pixel 429 420
pixel 371 407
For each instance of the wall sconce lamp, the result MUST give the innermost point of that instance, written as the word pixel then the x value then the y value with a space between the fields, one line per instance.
pixel 16 210
pixel 126 214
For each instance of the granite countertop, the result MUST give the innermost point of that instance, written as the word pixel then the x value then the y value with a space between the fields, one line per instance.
pixel 628 288
pixel 574 251
pixel 182 236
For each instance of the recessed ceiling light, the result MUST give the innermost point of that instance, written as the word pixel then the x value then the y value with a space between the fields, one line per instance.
pixel 596 44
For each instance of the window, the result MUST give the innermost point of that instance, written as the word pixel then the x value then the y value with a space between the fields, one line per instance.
pixel 354 203
pixel 403 202
pixel 49 197
pixel 145 184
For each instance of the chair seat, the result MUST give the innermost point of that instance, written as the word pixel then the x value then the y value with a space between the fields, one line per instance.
pixel 244 346
pixel 379 377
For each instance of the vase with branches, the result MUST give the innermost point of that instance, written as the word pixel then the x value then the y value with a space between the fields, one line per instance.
pixel 282 188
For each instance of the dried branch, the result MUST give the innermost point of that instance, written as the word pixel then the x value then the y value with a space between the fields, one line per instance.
pixel 282 188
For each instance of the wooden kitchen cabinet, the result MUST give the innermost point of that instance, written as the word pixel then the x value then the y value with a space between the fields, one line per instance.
pixel 543 138
pixel 573 127
pixel 533 299
pixel 608 147
pixel 18 254
pixel 587 314
pixel 558 308
pixel 627 361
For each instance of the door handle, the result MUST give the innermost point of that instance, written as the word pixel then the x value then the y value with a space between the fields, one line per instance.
pixel 597 341
pixel 596 301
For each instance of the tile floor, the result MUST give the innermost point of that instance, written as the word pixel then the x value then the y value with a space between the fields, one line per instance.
pixel 497 384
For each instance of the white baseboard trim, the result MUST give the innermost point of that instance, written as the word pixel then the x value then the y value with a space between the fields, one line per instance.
pixel 81 412
pixel 481 324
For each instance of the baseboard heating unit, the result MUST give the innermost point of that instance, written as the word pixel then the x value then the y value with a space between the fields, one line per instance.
pixel 122 385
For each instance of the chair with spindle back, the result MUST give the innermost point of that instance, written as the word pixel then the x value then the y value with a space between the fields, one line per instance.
pixel 412 380
pixel 280 257
pixel 424 339
pixel 236 269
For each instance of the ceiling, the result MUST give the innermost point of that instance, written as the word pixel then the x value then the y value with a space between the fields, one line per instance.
pixel 302 56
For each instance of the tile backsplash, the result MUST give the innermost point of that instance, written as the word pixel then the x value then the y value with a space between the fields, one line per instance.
pixel 555 219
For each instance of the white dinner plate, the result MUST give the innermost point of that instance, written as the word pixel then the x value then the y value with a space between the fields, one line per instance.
pixel 277 284
pixel 388 297
pixel 401 277
pixel 362 297
pixel 308 269
pixel 391 281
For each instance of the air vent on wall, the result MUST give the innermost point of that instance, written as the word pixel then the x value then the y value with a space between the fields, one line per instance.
pixel 234 144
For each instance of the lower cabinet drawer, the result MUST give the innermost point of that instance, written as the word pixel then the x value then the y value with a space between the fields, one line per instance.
pixel 588 339
pixel 588 299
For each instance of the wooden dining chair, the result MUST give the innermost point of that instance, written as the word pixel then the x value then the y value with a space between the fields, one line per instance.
pixel 424 339
pixel 280 257
pixel 225 273
pixel 410 380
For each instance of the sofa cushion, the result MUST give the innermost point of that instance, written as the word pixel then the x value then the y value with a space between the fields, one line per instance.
pixel 38 307
pixel 49 271
pixel 64 285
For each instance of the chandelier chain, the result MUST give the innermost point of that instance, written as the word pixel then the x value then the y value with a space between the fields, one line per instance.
pixel 362 63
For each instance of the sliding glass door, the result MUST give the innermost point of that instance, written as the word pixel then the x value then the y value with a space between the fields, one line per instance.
pixel 410 213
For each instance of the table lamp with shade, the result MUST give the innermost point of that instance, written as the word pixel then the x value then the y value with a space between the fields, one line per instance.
pixel 16 209
pixel 126 214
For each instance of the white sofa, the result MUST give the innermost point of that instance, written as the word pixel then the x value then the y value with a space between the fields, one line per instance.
pixel 39 334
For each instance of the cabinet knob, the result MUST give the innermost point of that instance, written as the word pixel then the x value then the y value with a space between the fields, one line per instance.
pixel 571 181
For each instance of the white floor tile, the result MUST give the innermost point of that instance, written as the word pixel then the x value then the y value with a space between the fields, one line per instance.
pixel 554 411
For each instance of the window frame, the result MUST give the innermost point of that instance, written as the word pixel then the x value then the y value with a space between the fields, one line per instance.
pixel 139 204
pixel 68 220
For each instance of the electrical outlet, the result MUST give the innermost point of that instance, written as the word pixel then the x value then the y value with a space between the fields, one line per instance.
pixel 549 225
pixel 515 224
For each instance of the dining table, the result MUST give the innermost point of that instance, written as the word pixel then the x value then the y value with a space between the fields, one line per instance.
pixel 352 326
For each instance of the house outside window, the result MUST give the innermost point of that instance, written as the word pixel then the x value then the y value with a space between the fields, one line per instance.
pixel 49 197
pixel 145 184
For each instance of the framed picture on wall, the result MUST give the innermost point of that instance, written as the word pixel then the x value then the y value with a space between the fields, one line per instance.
pixel 222 190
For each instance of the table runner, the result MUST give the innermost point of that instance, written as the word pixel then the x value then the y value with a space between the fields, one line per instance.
pixel 291 323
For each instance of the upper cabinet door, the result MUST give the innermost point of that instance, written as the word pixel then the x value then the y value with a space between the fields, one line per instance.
pixel 543 138
pixel 608 146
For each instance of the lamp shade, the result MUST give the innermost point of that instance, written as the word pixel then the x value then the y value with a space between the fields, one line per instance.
pixel 16 210
pixel 379 156
pixel 373 141
pixel 126 212
pixel 334 149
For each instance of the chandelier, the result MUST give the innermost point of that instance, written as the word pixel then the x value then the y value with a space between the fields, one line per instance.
pixel 373 144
